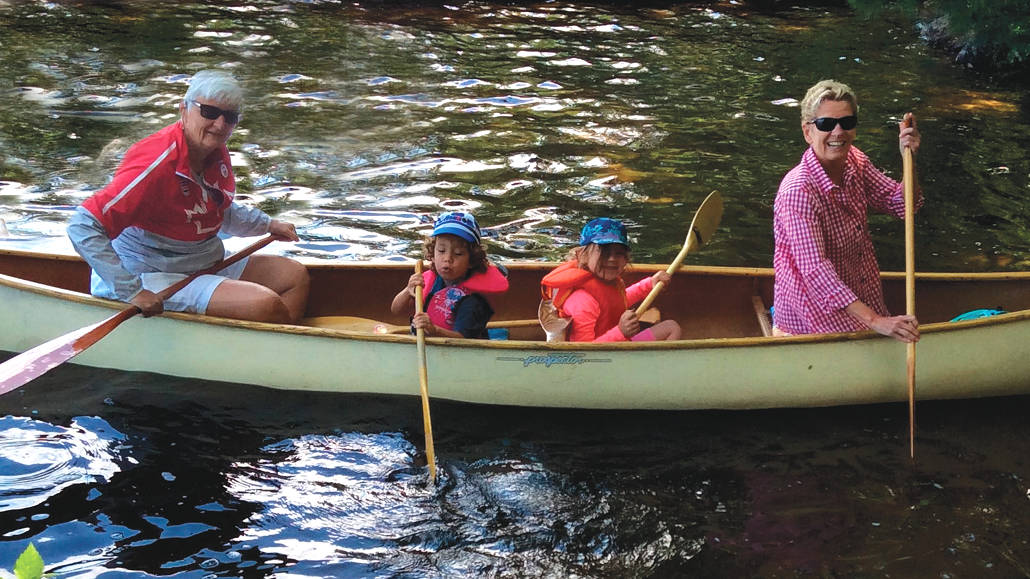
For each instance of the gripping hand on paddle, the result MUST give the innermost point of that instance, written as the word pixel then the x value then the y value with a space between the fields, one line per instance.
pixel 661 277
pixel 901 328
pixel 148 302
pixel 908 134
pixel 629 324
pixel 283 231
pixel 404 298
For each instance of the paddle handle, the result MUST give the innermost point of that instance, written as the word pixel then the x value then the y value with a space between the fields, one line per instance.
pixel 423 379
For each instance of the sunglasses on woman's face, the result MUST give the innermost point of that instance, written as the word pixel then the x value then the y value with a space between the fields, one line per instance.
pixel 211 113
pixel 826 124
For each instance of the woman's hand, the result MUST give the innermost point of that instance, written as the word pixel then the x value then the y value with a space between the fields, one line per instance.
pixel 148 302
pixel 629 324
pixel 901 328
pixel 908 134
pixel 283 231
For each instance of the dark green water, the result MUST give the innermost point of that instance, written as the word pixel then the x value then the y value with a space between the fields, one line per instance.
pixel 364 120
pixel 361 121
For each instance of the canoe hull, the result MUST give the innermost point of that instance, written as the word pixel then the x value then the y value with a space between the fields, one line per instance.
pixel 961 360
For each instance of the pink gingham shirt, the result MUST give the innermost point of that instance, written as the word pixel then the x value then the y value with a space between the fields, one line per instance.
pixel 824 258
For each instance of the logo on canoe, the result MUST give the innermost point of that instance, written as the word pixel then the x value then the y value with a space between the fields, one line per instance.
pixel 550 359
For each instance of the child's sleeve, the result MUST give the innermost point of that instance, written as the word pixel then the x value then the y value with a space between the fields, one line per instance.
pixel 638 291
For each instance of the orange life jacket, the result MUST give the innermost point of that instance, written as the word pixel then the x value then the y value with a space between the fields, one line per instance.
pixel 559 284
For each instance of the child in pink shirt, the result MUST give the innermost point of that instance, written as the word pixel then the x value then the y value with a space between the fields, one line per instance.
pixel 588 289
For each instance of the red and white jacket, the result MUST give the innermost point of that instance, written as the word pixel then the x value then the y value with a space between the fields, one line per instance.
pixel 156 216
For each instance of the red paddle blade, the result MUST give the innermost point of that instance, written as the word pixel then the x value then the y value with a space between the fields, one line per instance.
pixel 33 363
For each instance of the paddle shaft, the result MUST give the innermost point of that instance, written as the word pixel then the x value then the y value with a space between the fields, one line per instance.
pixel 111 323
pixel 423 379
pixel 688 246
pixel 908 181
pixel 33 363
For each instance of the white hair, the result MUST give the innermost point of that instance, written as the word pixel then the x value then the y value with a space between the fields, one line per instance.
pixel 216 85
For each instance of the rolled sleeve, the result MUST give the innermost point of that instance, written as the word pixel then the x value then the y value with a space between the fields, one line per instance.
pixel 89 238
pixel 244 221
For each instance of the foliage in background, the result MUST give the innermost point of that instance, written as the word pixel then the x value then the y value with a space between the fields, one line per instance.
pixel 984 33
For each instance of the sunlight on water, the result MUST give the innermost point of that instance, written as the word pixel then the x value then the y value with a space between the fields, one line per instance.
pixel 39 460
pixel 633 114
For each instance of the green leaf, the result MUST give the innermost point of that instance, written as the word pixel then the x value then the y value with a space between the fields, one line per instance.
pixel 29 564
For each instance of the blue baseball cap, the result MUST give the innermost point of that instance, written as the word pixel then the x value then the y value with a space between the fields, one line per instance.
pixel 602 231
pixel 458 223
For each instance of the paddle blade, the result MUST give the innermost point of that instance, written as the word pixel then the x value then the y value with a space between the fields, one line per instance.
pixel 707 219
pixel 354 324
pixel 33 363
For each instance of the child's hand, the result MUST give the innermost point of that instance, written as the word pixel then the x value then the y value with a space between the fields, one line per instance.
pixel 422 321
pixel 629 324
pixel 413 282
pixel 661 276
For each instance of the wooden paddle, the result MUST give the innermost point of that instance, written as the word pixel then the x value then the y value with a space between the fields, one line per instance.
pixel 908 181
pixel 705 222
pixel 33 363
pixel 356 324
pixel 423 379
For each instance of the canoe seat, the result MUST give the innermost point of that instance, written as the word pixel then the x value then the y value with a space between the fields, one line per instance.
pixel 762 313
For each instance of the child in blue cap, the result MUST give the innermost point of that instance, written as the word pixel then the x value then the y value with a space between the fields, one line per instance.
pixel 457 282
pixel 588 289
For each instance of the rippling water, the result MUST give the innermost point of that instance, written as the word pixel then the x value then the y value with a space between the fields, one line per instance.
pixel 134 474
pixel 365 119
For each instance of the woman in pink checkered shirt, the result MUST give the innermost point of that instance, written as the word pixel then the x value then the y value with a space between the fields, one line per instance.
pixel 827 277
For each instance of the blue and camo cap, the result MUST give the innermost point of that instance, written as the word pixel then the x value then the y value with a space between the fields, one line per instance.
pixel 458 223
pixel 603 230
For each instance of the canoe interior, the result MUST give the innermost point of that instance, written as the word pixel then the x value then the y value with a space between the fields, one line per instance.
pixel 709 302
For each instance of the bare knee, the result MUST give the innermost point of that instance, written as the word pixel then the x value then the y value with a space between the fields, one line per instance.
pixel 248 301
pixel 269 307
pixel 667 330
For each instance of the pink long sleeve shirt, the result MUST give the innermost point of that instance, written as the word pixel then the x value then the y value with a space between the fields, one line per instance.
pixel 824 258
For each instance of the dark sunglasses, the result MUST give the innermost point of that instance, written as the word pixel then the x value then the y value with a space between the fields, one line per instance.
pixel 211 113
pixel 826 124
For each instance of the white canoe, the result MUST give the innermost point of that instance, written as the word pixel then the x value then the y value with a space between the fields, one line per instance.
pixel 724 361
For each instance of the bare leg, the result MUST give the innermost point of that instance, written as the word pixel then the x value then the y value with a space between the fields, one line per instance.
pixel 271 289
pixel 666 330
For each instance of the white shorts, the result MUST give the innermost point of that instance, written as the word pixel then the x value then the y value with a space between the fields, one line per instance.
pixel 192 298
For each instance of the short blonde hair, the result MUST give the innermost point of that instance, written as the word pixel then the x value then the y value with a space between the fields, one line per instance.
pixel 826 90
